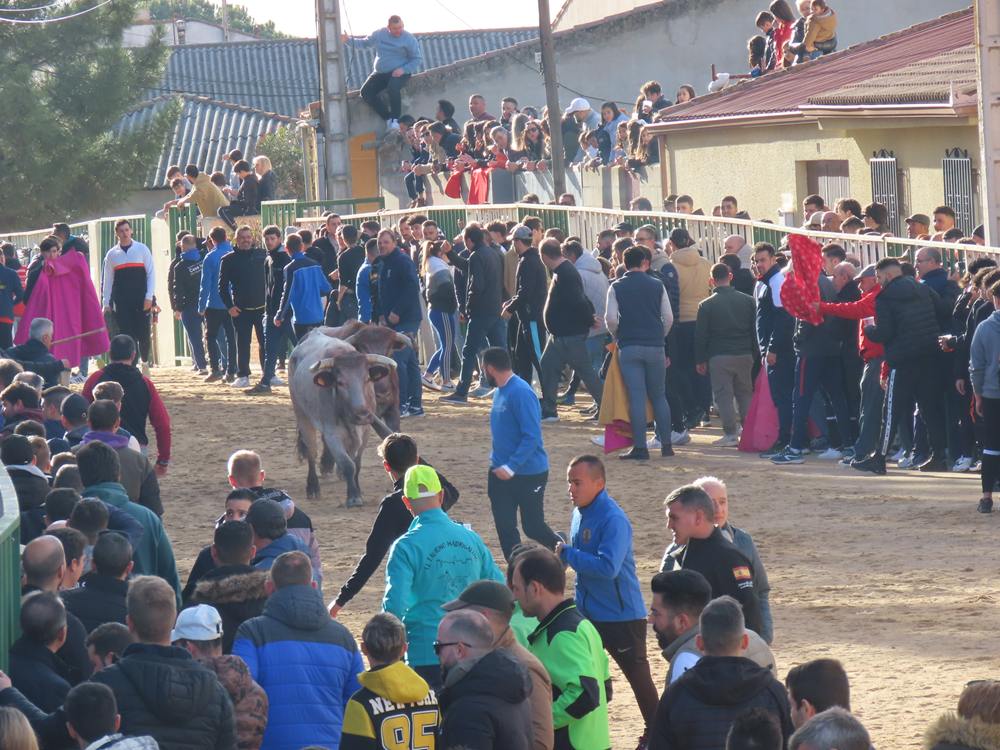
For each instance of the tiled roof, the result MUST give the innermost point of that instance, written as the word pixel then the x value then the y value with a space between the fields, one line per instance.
pixel 283 75
pixel 872 64
pixel 205 130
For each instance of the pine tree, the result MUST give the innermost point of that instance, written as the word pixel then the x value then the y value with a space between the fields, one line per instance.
pixel 65 85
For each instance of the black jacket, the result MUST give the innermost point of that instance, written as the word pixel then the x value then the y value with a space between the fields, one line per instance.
pixel 249 194
pixel 696 712
pixel 244 269
pixel 774 325
pixel 34 356
pixel 727 569
pixel 485 706
pixel 163 692
pixel 743 281
pixel 237 592
pixel 568 311
pixel 484 285
pixel 29 486
pixel 825 339
pixel 947 291
pixel 391 522
pixel 39 674
pixel 274 279
pixel 349 262
pixel 184 281
pixel 530 289
pixel 325 251
pixel 905 321
pixel 74 651
pixel 136 402
pixel 97 600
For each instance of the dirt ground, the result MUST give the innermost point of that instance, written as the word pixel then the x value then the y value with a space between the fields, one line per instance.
pixel 895 576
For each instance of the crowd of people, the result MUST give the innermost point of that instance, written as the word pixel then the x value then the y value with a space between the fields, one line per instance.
pixel 467 653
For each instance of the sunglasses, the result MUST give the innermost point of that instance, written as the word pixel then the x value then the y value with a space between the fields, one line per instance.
pixel 439 646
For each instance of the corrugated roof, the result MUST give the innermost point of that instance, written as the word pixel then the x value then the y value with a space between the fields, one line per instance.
pixel 205 130
pixel 283 75
pixel 934 80
pixel 787 90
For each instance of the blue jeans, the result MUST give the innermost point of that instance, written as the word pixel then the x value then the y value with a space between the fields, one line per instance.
pixel 192 321
pixel 781 381
pixel 480 331
pixel 644 372
pixel 444 332
pixel 812 374
pixel 559 352
pixel 276 339
pixel 408 369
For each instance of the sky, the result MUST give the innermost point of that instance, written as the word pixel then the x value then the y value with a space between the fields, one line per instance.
pixel 361 17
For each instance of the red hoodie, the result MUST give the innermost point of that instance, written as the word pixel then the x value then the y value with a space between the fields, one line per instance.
pixel 863 308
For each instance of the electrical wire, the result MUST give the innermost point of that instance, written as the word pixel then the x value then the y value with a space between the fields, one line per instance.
pixel 57 19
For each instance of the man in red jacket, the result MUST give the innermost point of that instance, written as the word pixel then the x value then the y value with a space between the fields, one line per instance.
pixel 141 400
pixel 872 395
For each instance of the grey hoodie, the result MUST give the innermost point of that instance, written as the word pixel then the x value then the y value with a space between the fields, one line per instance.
pixel 595 286
pixel 984 358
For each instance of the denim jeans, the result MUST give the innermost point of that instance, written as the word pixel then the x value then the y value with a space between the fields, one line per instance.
pixel 375 84
pixel 193 323
pixel 219 325
pixel 408 369
pixel 644 372
pixel 480 331
pixel 811 374
pixel 444 332
pixel 276 339
pixel 596 350
pixel 559 352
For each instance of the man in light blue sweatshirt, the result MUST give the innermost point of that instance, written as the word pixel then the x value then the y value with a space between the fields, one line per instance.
pixel 397 57
pixel 519 465
pixel 217 318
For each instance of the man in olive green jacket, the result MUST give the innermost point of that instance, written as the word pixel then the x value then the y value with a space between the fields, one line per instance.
pixel 724 342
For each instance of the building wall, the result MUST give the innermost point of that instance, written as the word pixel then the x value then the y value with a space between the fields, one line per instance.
pixel 765 167
pixel 196 32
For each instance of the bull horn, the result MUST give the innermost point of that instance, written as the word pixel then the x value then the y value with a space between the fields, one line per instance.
pixel 378 359
pixel 323 364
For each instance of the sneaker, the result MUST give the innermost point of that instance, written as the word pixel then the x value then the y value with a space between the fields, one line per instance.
pixel 428 383
pixel 415 411
pixel 964 463
pixel 985 505
pixel 905 462
pixel 977 467
pixel 404 412
pixel 897 456
pixel 653 444
pixel 597 440
pixel 666 451
pixel 831 454
pixel 481 392
pixel 934 463
pixel 230 379
pixel 680 438
pixel 275 381
pixel 705 421
pixel 78 379
pixel 447 387
pixel 454 398
pixel 567 399
pixel 727 441
pixel 848 452
pixel 591 411
pixel 635 454
pixel 875 463
pixel 775 450
pixel 243 382
pixel 789 456
pixel 202 372
pixel 819 444
pixel 549 418
pixel 258 389
pixel 215 377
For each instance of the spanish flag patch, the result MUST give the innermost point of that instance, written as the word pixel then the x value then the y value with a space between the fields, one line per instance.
pixel 742 573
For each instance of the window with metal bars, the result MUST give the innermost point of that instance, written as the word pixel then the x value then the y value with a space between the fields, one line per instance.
pixel 885 185
pixel 956 167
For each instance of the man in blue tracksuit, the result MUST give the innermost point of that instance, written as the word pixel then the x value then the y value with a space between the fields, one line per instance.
pixel 306 287
pixel 430 565
pixel 607 587
pixel 399 308
pixel 519 465
pixel 210 305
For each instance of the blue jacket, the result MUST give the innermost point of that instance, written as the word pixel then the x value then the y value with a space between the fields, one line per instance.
pixel 516 429
pixel 11 292
pixel 429 565
pixel 305 289
pixel 600 551
pixel 307 663
pixel 393 52
pixel 775 326
pixel 399 289
pixel 364 292
pixel 209 296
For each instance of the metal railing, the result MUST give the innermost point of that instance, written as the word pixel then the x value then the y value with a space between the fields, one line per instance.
pixel 10 566
pixel 286 213
pixel 709 231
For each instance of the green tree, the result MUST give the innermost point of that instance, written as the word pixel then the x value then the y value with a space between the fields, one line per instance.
pixel 284 148
pixel 65 85
pixel 203 10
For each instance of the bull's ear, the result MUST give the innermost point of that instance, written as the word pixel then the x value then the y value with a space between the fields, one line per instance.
pixel 325 378
pixel 377 372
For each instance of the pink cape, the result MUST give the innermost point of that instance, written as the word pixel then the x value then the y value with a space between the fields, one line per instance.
pixel 65 295
pixel 760 429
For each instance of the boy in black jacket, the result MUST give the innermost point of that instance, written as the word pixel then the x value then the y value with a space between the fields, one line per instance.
pixel 528 303
pixel 184 282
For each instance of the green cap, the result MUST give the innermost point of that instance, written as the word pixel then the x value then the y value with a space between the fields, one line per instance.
pixel 421 481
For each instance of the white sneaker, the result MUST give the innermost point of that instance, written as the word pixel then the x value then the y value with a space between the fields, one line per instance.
pixel 392 124
pixel 964 463
pixel 905 462
pixel 653 444
pixel 241 383
pixel 277 381
pixel 831 454
pixel 727 441
pixel 897 456
pixel 680 438
pixel 598 440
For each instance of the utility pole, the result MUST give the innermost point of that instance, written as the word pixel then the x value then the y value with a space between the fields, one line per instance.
pixel 225 21
pixel 552 97
pixel 336 163
pixel 988 57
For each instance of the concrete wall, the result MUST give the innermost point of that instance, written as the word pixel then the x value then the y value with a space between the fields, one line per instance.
pixel 196 32
pixel 764 167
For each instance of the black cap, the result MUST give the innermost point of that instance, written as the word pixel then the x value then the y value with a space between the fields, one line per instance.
pixel 16 451
pixel 267 518
pixel 74 408
pixel 488 594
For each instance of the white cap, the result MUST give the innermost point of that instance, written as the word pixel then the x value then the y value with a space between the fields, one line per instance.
pixel 200 623
pixel 577 105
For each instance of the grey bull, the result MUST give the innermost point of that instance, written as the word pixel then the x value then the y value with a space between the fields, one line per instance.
pixel 332 388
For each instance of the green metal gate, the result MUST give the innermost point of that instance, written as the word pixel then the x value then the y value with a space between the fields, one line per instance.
pixel 10 566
